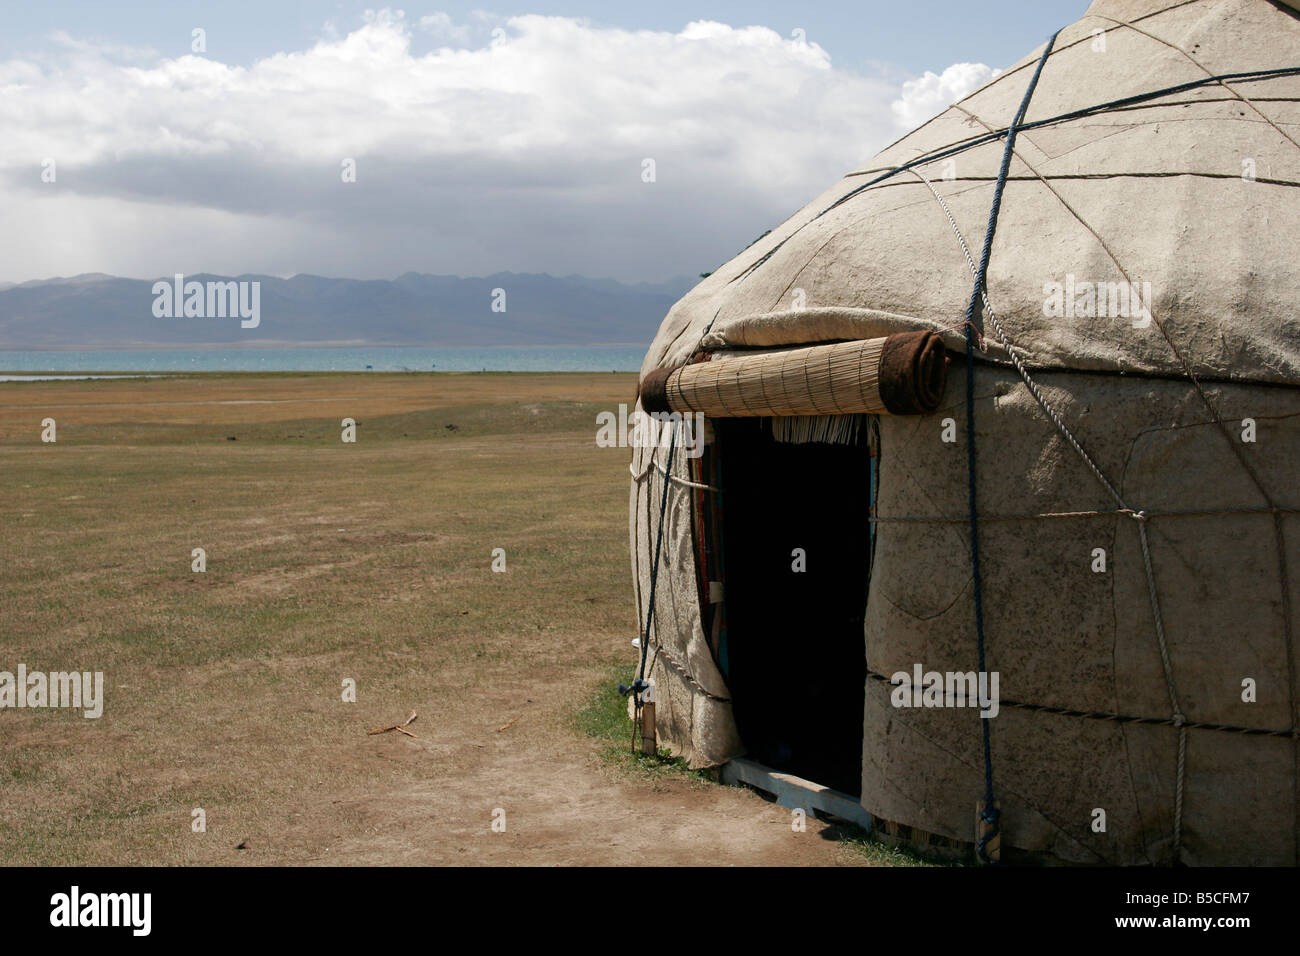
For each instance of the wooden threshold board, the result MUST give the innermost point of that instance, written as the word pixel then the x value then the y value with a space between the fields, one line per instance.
pixel 795 792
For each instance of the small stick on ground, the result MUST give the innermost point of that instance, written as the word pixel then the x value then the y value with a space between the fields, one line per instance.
pixel 400 728
pixel 509 725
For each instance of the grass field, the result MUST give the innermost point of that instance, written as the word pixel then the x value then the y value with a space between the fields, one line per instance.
pixel 327 562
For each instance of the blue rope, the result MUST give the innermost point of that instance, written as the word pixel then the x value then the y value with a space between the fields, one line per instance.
pixel 1121 103
pixel 989 814
pixel 980 140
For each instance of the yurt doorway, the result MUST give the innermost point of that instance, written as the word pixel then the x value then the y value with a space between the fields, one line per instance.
pixel 796 553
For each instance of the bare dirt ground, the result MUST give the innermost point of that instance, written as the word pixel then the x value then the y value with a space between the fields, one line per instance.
pixel 561 809
pixel 329 562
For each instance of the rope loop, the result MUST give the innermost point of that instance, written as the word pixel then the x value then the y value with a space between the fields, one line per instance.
pixel 992 816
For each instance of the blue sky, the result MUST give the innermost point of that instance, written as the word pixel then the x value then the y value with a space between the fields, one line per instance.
pixel 483 138
pixel 911 35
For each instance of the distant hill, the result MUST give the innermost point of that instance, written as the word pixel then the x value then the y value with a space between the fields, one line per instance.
pixel 102 311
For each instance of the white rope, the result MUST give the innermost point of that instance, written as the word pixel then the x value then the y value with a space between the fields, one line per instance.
pixel 681 671
pixel 1141 517
pixel 659 468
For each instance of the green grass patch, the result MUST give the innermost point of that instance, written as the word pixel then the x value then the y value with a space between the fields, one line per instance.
pixel 604 717
pixel 874 853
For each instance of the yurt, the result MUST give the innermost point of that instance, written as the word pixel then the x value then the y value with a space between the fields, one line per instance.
pixel 975 496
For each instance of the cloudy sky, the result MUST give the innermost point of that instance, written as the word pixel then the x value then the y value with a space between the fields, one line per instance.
pixel 514 139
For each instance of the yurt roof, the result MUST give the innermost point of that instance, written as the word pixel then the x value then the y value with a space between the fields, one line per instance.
pixel 1193 192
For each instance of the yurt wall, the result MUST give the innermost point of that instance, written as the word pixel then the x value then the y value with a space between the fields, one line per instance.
pixel 1086 720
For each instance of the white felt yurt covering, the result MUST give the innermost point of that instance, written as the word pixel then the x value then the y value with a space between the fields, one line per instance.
pixel 1192 195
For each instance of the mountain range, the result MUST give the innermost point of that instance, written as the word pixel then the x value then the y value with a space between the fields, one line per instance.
pixel 97 311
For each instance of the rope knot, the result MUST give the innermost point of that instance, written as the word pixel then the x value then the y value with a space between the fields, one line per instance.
pixel 1138 515
pixel 1179 719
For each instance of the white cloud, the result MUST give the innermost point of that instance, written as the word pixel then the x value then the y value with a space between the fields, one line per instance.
pixel 521 154
pixel 930 94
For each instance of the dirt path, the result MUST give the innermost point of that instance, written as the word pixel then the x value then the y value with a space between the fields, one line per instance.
pixel 561 812
pixel 430 800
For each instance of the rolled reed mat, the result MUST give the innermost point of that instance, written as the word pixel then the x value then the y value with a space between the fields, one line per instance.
pixel 900 374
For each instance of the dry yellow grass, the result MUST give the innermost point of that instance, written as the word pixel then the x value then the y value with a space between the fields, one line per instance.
pixel 329 561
